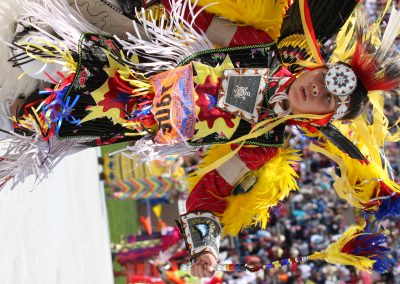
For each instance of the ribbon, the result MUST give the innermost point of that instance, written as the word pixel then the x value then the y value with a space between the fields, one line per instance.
pixel 258 130
pixel 309 32
pixel 57 110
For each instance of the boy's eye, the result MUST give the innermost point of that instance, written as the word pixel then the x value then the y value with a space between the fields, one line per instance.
pixel 323 80
pixel 329 98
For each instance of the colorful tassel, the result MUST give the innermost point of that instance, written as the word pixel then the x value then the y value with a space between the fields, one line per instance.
pixel 361 249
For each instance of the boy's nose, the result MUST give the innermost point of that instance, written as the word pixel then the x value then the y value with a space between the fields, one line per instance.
pixel 317 89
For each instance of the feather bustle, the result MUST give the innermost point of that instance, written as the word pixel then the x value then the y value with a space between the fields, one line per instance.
pixel 275 180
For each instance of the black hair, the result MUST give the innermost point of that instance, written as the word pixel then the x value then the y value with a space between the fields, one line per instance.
pixel 358 102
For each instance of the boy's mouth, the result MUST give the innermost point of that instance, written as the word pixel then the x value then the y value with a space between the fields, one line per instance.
pixel 305 93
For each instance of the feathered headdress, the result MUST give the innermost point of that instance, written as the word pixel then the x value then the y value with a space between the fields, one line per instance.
pixel 363 61
pixel 373 58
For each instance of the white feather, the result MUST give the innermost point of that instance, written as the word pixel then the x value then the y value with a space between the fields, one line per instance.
pixel 391 31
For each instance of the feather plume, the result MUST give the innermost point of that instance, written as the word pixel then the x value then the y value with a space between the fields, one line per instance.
pixel 359 183
pixel 377 64
pixel 359 248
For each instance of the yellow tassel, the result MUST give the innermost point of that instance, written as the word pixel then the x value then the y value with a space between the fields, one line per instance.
pixel 266 15
pixel 344 42
pixel 275 180
pixel 345 39
pixel 334 254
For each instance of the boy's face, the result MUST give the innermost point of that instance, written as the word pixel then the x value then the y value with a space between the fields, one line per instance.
pixel 308 94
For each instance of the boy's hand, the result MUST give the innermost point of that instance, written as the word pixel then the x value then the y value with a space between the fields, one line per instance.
pixel 203 266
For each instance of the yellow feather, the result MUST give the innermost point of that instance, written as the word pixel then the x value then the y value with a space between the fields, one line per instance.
pixel 266 15
pixel 275 180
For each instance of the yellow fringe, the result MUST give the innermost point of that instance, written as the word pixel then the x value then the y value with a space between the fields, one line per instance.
pixel 334 255
pixel 275 180
pixel 359 183
pixel 266 15
pixel 345 41
pixel 257 130
pixel 62 53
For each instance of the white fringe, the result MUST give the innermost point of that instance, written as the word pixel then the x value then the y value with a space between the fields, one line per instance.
pixel 167 43
pixel 145 151
pixel 28 155
pixel 58 15
pixel 10 86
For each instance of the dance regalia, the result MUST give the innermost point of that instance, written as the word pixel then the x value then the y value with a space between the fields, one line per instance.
pixel 169 85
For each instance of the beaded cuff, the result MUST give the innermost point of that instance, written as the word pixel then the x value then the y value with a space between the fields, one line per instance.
pixel 201 232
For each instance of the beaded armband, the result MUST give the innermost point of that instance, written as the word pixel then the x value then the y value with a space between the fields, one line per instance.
pixel 201 232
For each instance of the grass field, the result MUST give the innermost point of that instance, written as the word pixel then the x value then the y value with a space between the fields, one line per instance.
pixel 122 215
pixel 123 220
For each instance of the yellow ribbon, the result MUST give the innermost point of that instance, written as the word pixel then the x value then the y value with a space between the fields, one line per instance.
pixel 258 130
pixel 64 53
pixel 307 33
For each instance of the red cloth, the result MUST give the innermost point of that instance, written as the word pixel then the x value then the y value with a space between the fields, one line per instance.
pixel 209 192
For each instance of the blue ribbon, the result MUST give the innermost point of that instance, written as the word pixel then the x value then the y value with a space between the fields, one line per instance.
pixel 58 110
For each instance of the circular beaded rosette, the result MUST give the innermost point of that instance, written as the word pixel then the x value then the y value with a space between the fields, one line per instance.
pixel 340 80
